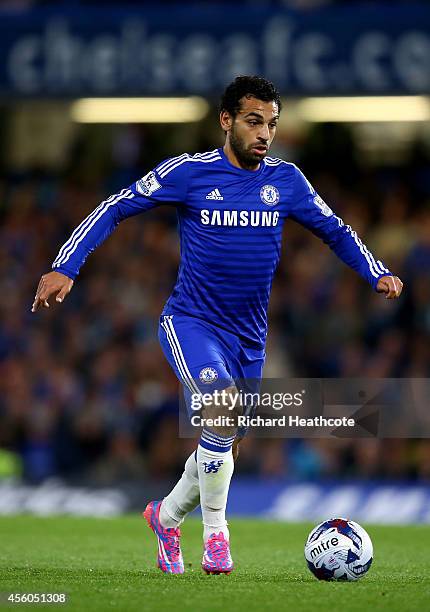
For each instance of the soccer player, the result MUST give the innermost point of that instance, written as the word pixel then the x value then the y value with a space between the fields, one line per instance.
pixel 231 205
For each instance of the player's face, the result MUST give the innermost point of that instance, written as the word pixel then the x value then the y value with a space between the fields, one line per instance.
pixel 252 130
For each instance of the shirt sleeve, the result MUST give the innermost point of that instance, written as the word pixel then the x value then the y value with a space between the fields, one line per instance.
pixel 166 184
pixel 310 210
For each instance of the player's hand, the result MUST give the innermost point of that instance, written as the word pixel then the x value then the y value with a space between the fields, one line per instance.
pixel 235 448
pixel 53 283
pixel 390 285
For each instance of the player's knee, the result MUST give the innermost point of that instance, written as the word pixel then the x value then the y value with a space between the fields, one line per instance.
pixel 223 412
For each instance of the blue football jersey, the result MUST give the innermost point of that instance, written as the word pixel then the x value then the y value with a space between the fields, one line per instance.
pixel 230 228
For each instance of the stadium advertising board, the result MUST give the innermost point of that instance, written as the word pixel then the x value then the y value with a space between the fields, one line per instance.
pixel 138 52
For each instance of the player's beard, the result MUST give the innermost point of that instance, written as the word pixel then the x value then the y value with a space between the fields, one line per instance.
pixel 244 154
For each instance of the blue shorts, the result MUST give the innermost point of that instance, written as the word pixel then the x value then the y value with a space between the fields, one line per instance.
pixel 206 358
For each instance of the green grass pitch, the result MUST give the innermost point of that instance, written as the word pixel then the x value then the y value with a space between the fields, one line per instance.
pixel 109 564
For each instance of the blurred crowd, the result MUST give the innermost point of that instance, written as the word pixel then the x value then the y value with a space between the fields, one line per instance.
pixel 22 5
pixel 85 391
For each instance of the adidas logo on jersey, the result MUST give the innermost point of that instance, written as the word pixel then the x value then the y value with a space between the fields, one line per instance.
pixel 214 195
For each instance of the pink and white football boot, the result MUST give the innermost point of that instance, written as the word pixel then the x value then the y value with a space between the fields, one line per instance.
pixel 170 559
pixel 216 555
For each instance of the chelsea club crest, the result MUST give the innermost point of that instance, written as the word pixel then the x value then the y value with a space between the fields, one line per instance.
pixel 269 195
pixel 208 375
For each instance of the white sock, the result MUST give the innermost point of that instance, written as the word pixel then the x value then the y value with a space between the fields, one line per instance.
pixel 184 497
pixel 215 466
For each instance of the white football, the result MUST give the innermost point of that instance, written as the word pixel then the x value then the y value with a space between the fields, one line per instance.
pixel 339 549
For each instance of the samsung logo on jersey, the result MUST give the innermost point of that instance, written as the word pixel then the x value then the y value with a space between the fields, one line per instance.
pixel 235 218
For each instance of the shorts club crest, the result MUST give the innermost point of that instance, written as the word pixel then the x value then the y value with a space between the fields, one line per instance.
pixel 208 375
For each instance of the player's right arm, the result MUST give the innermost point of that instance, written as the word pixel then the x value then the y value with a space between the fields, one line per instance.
pixel 166 184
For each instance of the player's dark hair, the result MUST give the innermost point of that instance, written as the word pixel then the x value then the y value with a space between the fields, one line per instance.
pixel 248 86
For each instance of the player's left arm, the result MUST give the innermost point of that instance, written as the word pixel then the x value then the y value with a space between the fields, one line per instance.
pixel 311 211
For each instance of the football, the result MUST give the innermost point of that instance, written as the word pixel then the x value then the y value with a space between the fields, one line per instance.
pixel 339 549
